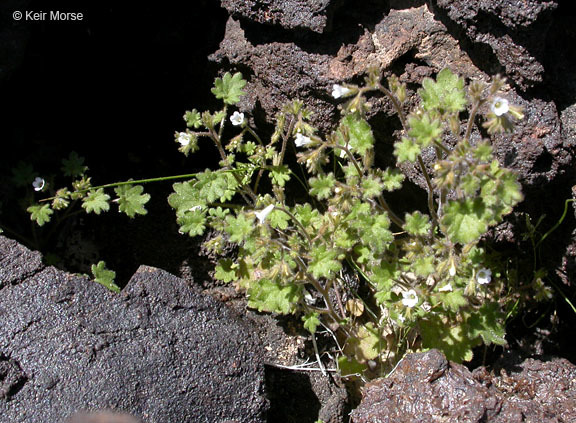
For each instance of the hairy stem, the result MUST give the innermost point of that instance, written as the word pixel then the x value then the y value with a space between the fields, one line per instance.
pixel 395 103
pixel 286 137
pixel 430 189
pixel 247 189
pixel 302 228
pixel 255 135
pixel 471 120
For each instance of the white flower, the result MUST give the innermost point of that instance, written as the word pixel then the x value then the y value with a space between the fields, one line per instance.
pixel 499 106
pixel 237 118
pixel 38 184
pixel 308 298
pixel 339 91
pixel 261 215
pixel 484 276
pixel 446 288
pixel 302 140
pixel 410 298
pixel 184 138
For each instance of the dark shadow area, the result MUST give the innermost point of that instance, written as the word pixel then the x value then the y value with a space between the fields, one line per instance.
pixel 12 379
pixel 291 397
pixel 112 87
pixel 560 56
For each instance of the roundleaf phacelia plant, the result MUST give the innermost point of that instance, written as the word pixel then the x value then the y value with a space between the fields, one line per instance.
pixel 342 258
pixel 337 254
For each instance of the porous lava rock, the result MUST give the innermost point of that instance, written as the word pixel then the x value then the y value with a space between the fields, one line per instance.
pixel 303 14
pixel 425 387
pixel 103 417
pixel 503 33
pixel 17 262
pixel 414 40
pixel 159 350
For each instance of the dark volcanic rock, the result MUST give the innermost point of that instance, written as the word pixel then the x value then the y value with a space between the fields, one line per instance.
pixel 103 417
pixel 536 149
pixel 159 350
pixel 514 32
pixel 425 387
pixel 17 262
pixel 280 70
pixel 309 14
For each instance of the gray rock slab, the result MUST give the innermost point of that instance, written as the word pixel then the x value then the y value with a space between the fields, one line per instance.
pixel 159 350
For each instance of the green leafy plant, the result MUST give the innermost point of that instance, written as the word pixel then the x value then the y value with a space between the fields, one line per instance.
pixel 104 276
pixel 427 277
pixel 339 256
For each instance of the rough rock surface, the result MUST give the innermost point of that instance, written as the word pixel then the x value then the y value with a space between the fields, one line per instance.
pixel 425 387
pixel 511 32
pixel 102 417
pixel 159 350
pixel 309 14
pixel 413 40
pixel 282 69
pixel 17 262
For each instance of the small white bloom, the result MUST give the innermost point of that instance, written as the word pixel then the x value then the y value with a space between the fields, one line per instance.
pixel 237 118
pixel 261 215
pixel 194 208
pixel 452 270
pixel 499 106
pixel 446 288
pixel 339 91
pixel 410 298
pixel 484 276
pixel 38 184
pixel 302 140
pixel 184 138
pixel 401 318
pixel 308 298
